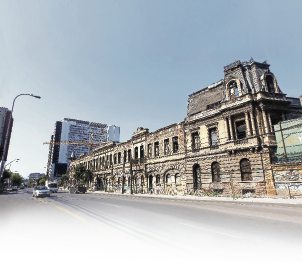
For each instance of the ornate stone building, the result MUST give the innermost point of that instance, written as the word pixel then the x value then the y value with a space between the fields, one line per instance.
pixel 223 146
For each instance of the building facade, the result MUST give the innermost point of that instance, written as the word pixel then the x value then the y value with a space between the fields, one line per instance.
pixel 73 138
pixel 6 124
pixel 35 176
pixel 223 147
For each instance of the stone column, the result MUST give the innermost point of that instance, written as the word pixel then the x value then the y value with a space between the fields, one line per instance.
pixel 265 121
pixel 247 122
pixel 253 123
pixel 227 128
pixel 231 128
pixel 260 121
pixel 270 122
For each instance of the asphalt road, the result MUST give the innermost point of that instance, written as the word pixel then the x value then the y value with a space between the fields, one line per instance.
pixel 89 229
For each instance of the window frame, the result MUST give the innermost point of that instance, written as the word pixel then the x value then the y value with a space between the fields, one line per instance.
pixel 195 140
pixel 246 175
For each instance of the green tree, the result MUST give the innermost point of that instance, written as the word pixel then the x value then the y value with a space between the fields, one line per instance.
pixel 64 180
pixel 79 173
pixel 6 175
pixel 42 180
pixel 16 179
pixel 82 175
pixel 87 176
pixel 31 183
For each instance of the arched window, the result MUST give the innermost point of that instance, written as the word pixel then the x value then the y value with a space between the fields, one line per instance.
pixel 177 179
pixel 269 80
pixel 168 178
pixel 157 179
pixel 150 182
pixel 246 170
pixel 233 88
pixel 215 172
pixel 196 177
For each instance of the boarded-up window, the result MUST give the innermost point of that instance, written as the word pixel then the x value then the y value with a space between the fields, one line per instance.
pixel 245 169
pixel 166 147
pixel 149 150
pixel 156 148
pixel 195 141
pixel 215 172
pixel 213 137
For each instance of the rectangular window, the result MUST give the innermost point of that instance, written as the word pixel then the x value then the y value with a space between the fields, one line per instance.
pixel 119 157
pixel 125 156
pixel 135 153
pixel 166 147
pixel 114 159
pixel 149 150
pixel 213 137
pixel 240 129
pixel 195 140
pixel 175 144
pixel 141 151
pixel 156 148
pixel 107 161
pixel 129 155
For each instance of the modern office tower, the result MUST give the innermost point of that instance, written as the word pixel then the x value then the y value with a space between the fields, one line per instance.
pixel 6 123
pixel 73 138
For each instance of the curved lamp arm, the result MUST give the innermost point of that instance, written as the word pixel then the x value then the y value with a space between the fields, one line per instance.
pixel 31 95
pixel 12 162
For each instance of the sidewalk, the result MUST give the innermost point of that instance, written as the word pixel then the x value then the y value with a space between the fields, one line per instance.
pixel 267 200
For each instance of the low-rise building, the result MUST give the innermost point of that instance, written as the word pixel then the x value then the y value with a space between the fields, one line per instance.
pixel 223 147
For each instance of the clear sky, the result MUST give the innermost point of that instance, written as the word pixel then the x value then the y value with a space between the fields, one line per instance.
pixel 130 62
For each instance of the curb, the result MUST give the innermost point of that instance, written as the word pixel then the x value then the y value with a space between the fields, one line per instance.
pixel 284 201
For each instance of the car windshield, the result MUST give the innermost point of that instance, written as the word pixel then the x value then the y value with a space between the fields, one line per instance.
pixel 40 188
pixel 52 185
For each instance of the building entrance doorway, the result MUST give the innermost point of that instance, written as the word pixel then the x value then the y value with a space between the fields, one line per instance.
pixel 196 177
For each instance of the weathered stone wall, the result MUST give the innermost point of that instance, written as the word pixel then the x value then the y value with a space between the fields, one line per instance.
pixel 288 179
pixel 172 172
pixel 230 173
pixel 198 101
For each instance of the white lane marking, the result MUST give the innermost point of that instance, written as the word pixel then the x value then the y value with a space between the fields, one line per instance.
pixel 205 229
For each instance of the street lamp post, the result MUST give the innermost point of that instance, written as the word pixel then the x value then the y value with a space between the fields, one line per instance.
pixel 10 163
pixel 24 94
pixel 8 130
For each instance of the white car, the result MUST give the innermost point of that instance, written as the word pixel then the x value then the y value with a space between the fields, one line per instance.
pixel 41 191
pixel 53 187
